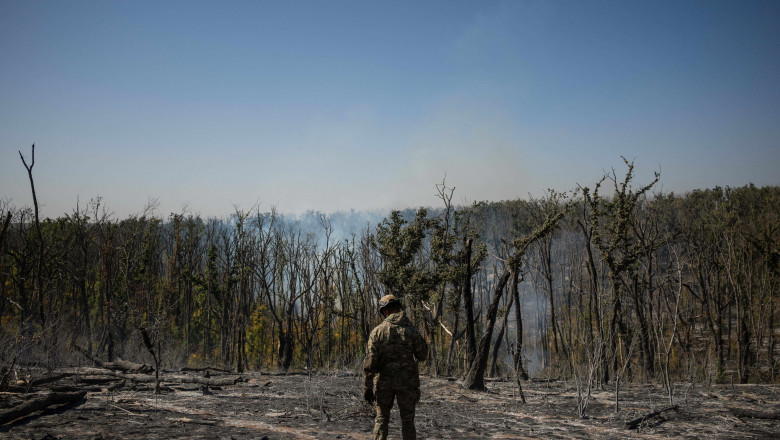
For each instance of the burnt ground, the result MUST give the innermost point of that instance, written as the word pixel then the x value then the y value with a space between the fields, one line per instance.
pixel 328 406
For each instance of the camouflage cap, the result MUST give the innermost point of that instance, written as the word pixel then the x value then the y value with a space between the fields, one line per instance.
pixel 388 300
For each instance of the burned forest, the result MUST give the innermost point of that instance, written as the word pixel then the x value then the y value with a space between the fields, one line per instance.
pixel 611 311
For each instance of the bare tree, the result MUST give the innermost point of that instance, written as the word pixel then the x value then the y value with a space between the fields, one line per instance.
pixel 41 245
pixel 475 378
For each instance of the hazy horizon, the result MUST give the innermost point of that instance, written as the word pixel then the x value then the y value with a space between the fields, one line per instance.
pixel 367 106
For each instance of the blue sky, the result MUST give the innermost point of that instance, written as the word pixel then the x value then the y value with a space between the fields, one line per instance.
pixel 367 105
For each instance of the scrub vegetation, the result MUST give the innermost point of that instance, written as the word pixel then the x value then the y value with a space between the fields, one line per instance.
pixel 599 288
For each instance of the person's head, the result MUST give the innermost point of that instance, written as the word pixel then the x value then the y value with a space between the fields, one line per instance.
pixel 389 304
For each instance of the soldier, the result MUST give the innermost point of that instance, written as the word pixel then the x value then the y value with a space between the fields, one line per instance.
pixel 390 368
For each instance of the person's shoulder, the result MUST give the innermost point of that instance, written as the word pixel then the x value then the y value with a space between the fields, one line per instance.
pixel 378 328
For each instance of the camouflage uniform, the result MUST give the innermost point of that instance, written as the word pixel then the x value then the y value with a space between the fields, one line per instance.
pixel 390 369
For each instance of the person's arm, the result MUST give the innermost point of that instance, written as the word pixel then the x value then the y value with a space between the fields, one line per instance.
pixel 370 368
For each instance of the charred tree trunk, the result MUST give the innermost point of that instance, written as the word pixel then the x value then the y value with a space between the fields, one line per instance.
pixel 475 378
pixel 39 234
pixel 286 339
pixel 468 303
pixel 455 337
pixel 499 338
pixel 6 223
pixel 518 355
pixel 647 355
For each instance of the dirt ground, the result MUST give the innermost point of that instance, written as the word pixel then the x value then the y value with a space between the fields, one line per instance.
pixel 328 406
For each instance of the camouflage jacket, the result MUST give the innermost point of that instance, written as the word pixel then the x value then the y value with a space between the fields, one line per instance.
pixel 394 348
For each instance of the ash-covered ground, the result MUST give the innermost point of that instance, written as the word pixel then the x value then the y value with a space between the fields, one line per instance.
pixel 328 406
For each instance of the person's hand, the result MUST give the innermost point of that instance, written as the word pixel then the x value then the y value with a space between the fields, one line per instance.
pixel 368 395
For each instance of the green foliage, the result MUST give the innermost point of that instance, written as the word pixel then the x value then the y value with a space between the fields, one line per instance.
pixel 613 219
pixel 404 272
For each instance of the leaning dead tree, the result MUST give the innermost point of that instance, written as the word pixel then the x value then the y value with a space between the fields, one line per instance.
pixel 475 378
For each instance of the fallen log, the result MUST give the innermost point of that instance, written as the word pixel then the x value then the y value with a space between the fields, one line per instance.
pixel 129 367
pixel 202 369
pixel 73 389
pixel 287 373
pixel 34 405
pixel 633 424
pixel 146 378
pixel 50 379
pixel 743 412
pixel 98 380
pixel 119 364
pixel 208 381
pixel 26 387
pixel 539 380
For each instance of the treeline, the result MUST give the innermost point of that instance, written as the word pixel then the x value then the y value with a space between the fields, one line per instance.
pixel 616 281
